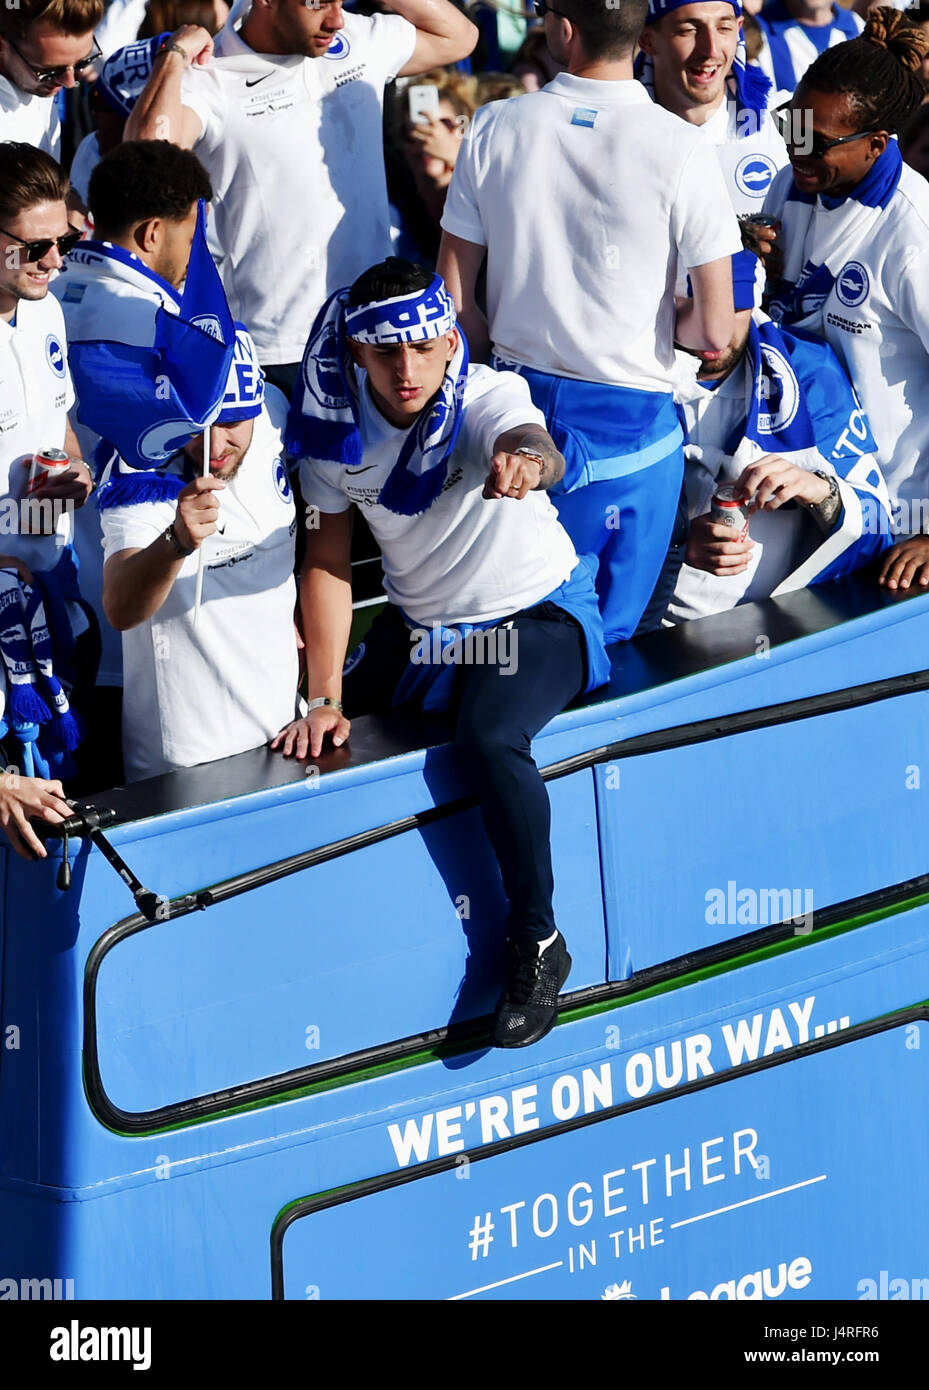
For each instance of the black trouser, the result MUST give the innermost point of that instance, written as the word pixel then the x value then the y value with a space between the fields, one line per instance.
pixel 498 715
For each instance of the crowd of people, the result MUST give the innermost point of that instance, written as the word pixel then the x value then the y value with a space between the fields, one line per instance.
pixel 530 293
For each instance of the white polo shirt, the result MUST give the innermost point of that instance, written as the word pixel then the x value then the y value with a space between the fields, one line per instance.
pixel 107 294
pixel 466 559
pixel 32 119
pixel 870 301
pixel 588 197
pixel 35 397
pixel 294 149
pixel 197 693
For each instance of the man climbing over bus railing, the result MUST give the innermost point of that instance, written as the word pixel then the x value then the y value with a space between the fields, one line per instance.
pixel 451 464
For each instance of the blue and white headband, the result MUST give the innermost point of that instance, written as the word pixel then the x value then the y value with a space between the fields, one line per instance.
pixel 407 318
pixel 245 386
pixel 126 72
pixel 324 421
pixel 751 85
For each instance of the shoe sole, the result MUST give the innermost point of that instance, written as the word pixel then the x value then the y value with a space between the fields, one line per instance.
pixel 543 1032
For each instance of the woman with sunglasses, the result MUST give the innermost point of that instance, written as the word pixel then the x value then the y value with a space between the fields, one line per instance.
pixel 853 247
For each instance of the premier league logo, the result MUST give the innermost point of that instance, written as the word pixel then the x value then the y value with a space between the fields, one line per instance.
pixel 281 480
pixel 54 355
pixel 339 48
pixel 781 395
pixel 753 175
pixel 852 284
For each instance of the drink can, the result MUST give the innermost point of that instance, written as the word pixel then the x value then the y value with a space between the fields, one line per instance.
pixel 729 508
pixel 47 462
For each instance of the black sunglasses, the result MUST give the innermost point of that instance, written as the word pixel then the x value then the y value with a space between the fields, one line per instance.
pixel 35 250
pixel 56 74
pixel 542 10
pixel 812 146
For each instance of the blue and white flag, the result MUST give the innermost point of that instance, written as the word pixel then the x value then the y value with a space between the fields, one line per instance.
pixel 146 402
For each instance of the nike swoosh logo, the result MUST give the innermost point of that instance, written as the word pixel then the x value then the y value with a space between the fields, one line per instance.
pixel 367 468
pixel 255 80
pixel 221 529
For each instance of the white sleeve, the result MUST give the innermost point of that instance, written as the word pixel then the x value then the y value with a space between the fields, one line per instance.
pixel 391 41
pixel 462 214
pixel 912 296
pixel 319 485
pixel 495 402
pixel 703 223
pixel 201 92
pixel 135 527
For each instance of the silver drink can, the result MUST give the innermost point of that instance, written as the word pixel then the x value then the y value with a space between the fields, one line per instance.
pixel 729 508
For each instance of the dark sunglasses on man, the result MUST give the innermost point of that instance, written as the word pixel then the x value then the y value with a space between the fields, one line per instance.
pixel 810 145
pixel 50 75
pixel 35 250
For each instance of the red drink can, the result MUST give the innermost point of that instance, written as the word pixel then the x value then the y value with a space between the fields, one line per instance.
pixel 729 508
pixel 47 463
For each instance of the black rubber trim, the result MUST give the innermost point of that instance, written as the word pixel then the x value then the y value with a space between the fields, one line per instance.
pixel 457 1037
pixel 306 1206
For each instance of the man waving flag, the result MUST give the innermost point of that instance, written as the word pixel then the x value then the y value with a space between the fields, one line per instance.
pixel 145 402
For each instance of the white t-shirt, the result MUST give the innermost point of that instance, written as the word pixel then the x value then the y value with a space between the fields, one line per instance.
pixel 875 314
pixel 33 119
pixel 294 149
pixel 748 161
pixel 35 397
pixel 107 295
pixel 119 25
pixel 465 559
pixel 86 158
pixel 197 693
pixel 588 198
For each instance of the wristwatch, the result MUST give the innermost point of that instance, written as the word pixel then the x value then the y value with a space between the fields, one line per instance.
pixel 170 536
pixel 169 46
pixel 826 511
pixel 322 700
pixel 533 454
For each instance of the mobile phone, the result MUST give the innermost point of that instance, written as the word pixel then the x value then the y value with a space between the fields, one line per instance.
pixel 424 104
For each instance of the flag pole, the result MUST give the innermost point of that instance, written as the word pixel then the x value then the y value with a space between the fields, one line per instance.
pixel 206 473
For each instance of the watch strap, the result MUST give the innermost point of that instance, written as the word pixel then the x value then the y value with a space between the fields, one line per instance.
pixel 322 700
pixel 170 536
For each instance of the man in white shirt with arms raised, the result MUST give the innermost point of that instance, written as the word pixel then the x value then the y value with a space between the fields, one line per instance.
pixel 286 117
pixel 589 199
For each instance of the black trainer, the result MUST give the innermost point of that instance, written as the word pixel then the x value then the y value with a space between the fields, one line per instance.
pixel 530 1002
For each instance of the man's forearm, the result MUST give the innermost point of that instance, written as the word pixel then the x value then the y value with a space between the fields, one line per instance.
pixel 157 115
pixel 135 586
pixel 326 614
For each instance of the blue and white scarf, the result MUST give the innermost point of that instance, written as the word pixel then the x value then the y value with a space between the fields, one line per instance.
pixel 801 398
pixel 747 82
pixel 126 72
pixel 324 420
pixel 26 655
